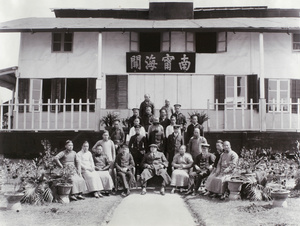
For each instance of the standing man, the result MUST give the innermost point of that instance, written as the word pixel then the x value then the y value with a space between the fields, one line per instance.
pixel 180 118
pixel 174 143
pixel 155 164
pixel 125 165
pixel 190 129
pixel 169 109
pixel 194 147
pixel 117 134
pixel 137 146
pixel 146 103
pixel 107 145
pixel 136 114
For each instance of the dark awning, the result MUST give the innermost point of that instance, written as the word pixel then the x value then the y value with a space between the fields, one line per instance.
pixel 8 78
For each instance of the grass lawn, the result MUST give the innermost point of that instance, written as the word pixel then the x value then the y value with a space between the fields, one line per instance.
pixel 90 211
pixel 242 213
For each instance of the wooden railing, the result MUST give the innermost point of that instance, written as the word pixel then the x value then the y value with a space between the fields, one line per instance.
pixel 39 116
pixel 282 116
pixel 36 115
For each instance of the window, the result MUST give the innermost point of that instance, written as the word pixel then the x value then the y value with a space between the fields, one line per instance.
pixel 62 42
pixel 61 89
pixel 150 42
pixel 35 94
pixel 134 42
pixel 211 42
pixel 296 42
pixel 278 94
pixel 166 42
pixel 189 42
pixel 116 91
pixel 236 90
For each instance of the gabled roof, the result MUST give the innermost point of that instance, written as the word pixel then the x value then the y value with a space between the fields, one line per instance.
pixel 289 24
pixel 8 77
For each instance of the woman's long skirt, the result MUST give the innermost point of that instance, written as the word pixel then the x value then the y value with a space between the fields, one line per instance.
pixel 92 180
pixel 106 179
pixel 180 178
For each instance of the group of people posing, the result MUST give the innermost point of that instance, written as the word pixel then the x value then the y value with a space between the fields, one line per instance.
pixel 155 147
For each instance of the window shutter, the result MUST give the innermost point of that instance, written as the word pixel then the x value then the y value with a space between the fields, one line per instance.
pixel 222 42
pixel 57 92
pixel 23 92
pixel 122 92
pixel 111 91
pixel 116 92
pixel 134 42
pixel 253 88
pixel 295 93
pixel 220 90
pixel 267 93
pixel 91 89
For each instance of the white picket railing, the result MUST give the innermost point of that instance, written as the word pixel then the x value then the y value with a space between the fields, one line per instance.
pixel 247 117
pixel 37 116
pixel 243 116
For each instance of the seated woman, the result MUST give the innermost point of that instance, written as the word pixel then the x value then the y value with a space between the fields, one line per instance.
pixel 102 165
pixel 216 183
pixel 91 177
pixel 182 162
pixel 68 157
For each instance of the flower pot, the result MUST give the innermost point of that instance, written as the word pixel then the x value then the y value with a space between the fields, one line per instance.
pixel 63 192
pixel 13 200
pixel 234 186
pixel 279 197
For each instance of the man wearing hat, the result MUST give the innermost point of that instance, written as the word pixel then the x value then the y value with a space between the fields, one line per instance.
pixel 137 146
pixel 135 115
pixel 194 146
pixel 146 103
pixel 117 134
pixel 180 118
pixel 202 167
pixel 155 164
pixel 173 144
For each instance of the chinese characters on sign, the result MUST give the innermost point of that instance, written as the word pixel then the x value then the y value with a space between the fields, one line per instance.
pixel 160 62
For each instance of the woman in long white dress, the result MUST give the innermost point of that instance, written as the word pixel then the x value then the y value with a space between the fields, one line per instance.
pixel 182 162
pixel 102 165
pixel 91 177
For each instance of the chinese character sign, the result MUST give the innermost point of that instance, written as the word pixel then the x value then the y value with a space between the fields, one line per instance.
pixel 160 62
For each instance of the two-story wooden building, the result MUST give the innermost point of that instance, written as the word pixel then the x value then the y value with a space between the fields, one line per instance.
pixel 240 65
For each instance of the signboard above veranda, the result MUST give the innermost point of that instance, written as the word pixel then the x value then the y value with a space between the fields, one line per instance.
pixel 160 62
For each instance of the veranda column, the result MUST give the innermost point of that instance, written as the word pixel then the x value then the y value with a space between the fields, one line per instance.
pixel 262 100
pixel 98 84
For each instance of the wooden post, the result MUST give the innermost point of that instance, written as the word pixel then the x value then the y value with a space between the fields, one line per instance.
pixel 72 113
pixel 56 112
pixel 88 114
pixel 25 111
pixel 262 109
pixel 217 114
pixel 48 114
pixel 64 113
pixel 80 111
pixel 17 112
pixel 41 110
pixel 290 113
pixel 251 113
pixel 243 114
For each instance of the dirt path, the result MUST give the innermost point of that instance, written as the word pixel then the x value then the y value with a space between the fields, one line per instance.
pixel 152 209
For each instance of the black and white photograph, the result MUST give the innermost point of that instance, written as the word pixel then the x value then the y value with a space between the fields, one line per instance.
pixel 149 112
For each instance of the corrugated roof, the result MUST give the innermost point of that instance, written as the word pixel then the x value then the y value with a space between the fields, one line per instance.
pixel 108 24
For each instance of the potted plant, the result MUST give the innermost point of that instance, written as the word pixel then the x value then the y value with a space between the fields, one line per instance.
pixel 108 119
pixel 202 116
pixel 234 186
pixel 279 197
pixel 14 174
pixel 63 183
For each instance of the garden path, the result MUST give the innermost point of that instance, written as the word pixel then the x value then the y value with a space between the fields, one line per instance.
pixel 152 209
